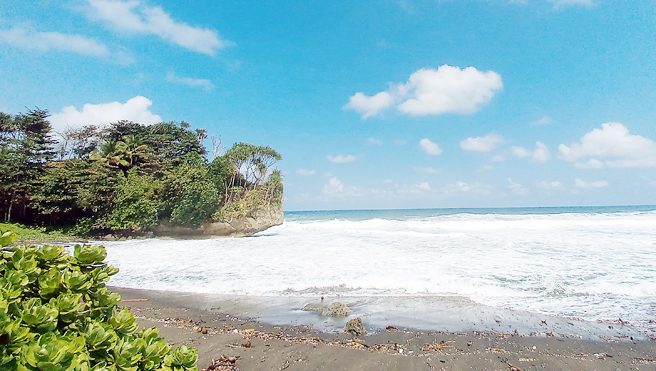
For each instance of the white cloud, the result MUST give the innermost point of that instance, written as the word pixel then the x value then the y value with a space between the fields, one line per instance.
pixel 369 106
pixel 418 188
pixel 305 172
pixel 517 188
pixel 424 186
pixel 482 144
pixel 591 164
pixel 475 188
pixel 426 170
pixel 135 16
pixel 194 83
pixel 433 92
pixel 611 146
pixel 375 141
pixel 541 153
pixel 46 41
pixel 550 185
pixel 430 147
pixel 135 109
pixel 521 152
pixel 334 186
pixel 339 159
pixel 566 3
pixel 583 184
pixel 546 120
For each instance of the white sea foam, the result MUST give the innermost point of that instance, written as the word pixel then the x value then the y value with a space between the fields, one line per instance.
pixel 590 265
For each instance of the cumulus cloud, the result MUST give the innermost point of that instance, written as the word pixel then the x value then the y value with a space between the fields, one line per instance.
pixel 541 153
pixel 517 188
pixel 46 41
pixel 482 144
pixel 433 92
pixel 566 3
pixel 137 17
pixel 334 186
pixel 611 146
pixel 339 159
pixel 135 109
pixel 546 120
pixel 591 164
pixel 550 185
pixel 375 141
pixel 305 172
pixel 424 186
pixel 583 184
pixel 461 187
pixel 369 106
pixel 194 83
pixel 426 170
pixel 417 188
pixel 521 152
pixel 430 147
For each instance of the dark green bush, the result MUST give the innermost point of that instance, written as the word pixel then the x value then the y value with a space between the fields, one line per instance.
pixel 57 315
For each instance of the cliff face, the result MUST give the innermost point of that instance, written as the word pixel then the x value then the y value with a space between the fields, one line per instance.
pixel 262 218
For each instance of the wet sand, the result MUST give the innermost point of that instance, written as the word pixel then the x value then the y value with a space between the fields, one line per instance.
pixel 225 330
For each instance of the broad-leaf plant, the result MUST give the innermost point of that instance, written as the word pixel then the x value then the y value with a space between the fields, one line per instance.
pixel 57 315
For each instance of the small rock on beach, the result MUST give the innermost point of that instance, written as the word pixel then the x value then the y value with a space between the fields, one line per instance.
pixel 355 327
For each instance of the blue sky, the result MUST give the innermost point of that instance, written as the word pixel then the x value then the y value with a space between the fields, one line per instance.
pixel 373 104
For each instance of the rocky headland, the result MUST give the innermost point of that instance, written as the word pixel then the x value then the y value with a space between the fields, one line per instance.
pixel 259 220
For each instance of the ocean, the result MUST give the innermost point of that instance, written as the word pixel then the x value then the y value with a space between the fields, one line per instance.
pixel 588 263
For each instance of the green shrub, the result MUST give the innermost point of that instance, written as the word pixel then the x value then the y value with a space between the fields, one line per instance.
pixel 136 203
pixel 57 315
pixel 198 202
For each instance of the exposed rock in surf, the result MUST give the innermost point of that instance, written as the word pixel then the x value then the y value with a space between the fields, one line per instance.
pixel 335 309
pixel 355 327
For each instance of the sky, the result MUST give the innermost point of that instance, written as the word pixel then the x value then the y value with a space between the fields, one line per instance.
pixel 373 104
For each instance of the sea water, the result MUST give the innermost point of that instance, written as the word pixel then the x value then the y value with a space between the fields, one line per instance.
pixel 589 263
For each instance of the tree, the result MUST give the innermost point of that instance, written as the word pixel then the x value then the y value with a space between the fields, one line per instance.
pixel 136 203
pixel 252 161
pixel 83 141
pixel 25 147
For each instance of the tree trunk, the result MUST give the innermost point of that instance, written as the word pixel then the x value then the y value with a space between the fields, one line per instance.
pixel 11 202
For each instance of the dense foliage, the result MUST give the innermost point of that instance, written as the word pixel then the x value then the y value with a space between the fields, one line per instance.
pixel 57 315
pixel 126 177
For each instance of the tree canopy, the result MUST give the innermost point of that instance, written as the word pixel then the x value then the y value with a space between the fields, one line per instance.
pixel 126 177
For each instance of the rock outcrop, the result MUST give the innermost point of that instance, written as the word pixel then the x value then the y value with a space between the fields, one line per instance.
pixel 261 219
pixel 355 327
pixel 335 309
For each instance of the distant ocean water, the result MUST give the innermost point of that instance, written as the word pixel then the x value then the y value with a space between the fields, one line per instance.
pixel 586 262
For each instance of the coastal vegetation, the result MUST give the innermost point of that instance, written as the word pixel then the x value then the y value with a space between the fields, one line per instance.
pixel 56 314
pixel 127 178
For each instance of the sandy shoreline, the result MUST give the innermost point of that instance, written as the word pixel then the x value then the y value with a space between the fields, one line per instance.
pixel 225 328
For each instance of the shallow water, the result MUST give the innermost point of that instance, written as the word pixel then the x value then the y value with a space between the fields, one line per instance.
pixel 588 263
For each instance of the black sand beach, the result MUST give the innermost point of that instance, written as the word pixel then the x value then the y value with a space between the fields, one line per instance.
pixel 227 335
